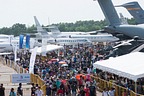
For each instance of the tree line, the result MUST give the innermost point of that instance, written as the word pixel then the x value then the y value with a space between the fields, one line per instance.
pixel 82 26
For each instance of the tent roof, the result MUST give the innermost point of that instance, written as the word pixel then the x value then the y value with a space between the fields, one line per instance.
pixel 130 65
pixel 48 48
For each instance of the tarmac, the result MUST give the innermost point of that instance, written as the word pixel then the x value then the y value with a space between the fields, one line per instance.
pixel 5 79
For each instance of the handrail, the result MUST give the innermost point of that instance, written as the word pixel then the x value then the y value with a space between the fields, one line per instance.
pixel 34 78
pixel 119 90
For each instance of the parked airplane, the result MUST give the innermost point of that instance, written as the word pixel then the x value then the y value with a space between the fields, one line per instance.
pixel 135 10
pixel 7 43
pixel 4 37
pixel 57 34
pixel 97 38
pixel 54 31
pixel 68 41
pixel 115 27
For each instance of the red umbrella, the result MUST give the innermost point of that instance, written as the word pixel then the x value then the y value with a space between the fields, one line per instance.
pixel 53 59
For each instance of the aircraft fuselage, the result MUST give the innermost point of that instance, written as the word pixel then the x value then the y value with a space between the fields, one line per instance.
pixel 129 30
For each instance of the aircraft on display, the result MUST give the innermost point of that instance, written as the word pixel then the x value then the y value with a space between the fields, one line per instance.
pixel 135 10
pixel 43 34
pixel 97 38
pixel 5 42
pixel 55 33
pixel 8 42
pixel 115 27
pixel 68 41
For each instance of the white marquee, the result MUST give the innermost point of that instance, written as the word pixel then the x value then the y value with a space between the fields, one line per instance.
pixel 130 65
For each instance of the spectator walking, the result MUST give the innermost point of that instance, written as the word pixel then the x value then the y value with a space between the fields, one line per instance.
pixel 20 90
pixel 33 89
pixel 39 92
pixel 111 92
pixel 92 89
pixel 2 90
pixel 105 92
pixel 81 92
pixel 48 90
pixel 12 92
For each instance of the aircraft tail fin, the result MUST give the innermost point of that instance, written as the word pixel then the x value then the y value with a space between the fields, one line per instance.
pixel 135 10
pixel 54 30
pixel 109 12
pixel 123 19
pixel 39 27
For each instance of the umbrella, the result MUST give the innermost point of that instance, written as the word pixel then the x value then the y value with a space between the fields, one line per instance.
pixel 49 62
pixel 78 76
pixel 53 59
pixel 62 62
pixel 64 65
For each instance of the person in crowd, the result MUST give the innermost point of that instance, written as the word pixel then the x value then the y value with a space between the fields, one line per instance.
pixel 54 89
pixel 20 90
pixel 48 90
pixel 12 92
pixel 73 88
pixel 87 90
pixel 33 89
pixel 92 89
pixel 112 92
pixel 39 92
pixel 2 90
pixel 105 92
pixel 60 92
pixel 81 92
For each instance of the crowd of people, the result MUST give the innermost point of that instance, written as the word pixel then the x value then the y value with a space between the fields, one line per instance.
pixel 73 78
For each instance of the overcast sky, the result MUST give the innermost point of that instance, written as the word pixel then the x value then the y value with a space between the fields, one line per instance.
pixel 53 11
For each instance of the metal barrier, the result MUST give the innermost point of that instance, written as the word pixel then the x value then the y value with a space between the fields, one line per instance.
pixel 19 69
pixel 119 90
pixel 37 80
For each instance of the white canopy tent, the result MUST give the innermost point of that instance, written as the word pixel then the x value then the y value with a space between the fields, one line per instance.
pixel 130 65
pixel 48 48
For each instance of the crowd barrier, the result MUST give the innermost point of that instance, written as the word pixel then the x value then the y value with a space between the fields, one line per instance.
pixel 19 69
pixel 119 90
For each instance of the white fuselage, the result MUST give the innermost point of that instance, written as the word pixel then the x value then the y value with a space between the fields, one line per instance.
pixel 92 38
pixel 68 41
pixel 97 38
pixel 7 42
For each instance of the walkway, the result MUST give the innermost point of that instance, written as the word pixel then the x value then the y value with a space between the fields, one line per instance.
pixel 5 74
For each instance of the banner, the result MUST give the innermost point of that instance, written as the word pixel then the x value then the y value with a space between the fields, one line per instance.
pixel 27 41
pixel 21 37
pixel 32 60
pixel 20 78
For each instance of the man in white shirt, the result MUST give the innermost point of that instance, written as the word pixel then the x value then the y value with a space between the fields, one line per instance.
pixel 39 92
pixel 105 92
